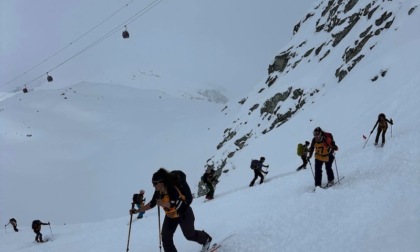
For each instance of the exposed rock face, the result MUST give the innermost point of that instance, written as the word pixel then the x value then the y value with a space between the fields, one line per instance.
pixel 336 36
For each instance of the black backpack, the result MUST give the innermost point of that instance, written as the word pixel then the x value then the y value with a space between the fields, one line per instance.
pixel 136 198
pixel 35 223
pixel 180 181
pixel 254 164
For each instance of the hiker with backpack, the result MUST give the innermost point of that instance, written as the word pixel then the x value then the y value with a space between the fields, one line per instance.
pixel 382 124
pixel 257 166
pixel 13 222
pixel 302 151
pixel 173 194
pixel 324 146
pixel 209 179
pixel 36 226
pixel 139 199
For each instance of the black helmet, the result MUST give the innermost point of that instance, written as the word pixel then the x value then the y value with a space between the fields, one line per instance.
pixel 317 131
pixel 381 115
pixel 262 158
pixel 306 143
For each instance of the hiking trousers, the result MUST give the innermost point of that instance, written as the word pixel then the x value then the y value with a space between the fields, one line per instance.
pixel 304 160
pixel 383 131
pixel 257 173
pixel 210 187
pixel 328 169
pixel 186 222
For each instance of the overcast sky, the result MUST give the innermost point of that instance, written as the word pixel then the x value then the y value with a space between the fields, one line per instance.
pixel 215 43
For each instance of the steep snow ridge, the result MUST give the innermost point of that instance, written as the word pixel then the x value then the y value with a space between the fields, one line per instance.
pixel 330 43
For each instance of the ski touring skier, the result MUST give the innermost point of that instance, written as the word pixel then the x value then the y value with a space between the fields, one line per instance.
pixel 36 226
pixel 324 146
pixel 257 166
pixel 177 212
pixel 13 222
pixel 138 200
pixel 382 124
pixel 303 150
pixel 209 179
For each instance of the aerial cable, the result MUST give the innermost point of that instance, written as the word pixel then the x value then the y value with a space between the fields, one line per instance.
pixel 71 43
pixel 107 35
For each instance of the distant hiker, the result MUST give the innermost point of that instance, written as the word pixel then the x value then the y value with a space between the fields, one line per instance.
pixel 36 226
pixel 324 146
pixel 382 124
pixel 257 166
pixel 302 151
pixel 13 222
pixel 177 210
pixel 209 178
pixel 139 199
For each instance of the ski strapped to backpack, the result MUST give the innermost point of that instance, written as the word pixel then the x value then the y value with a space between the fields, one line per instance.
pixel 181 184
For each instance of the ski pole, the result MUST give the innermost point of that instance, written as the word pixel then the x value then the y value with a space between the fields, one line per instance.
pixel 336 169
pixel 391 130
pixel 129 228
pixel 52 236
pixel 369 137
pixel 160 236
pixel 310 165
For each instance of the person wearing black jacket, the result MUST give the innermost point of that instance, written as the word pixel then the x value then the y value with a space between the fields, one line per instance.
pixel 209 178
pixel 258 172
pixel 36 226
pixel 382 124
pixel 13 222
pixel 177 212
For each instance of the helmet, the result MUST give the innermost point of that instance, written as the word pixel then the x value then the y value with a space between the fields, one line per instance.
pixel 317 131
pixel 141 191
pixel 381 115
pixel 306 143
pixel 262 158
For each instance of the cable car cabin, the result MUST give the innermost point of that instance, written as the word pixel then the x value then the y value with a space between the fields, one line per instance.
pixel 25 90
pixel 125 34
pixel 49 78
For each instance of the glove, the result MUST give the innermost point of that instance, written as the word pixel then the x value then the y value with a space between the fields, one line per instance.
pixel 392 122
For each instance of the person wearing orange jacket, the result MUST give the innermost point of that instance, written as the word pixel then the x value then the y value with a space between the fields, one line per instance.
pixel 324 146
pixel 177 212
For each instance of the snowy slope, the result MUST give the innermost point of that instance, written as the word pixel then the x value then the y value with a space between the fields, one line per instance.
pixel 375 208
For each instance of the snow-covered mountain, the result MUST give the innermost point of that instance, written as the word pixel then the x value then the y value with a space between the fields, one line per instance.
pixel 74 155
pixel 328 46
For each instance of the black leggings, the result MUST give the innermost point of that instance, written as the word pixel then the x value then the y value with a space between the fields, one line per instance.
pixel 38 236
pixel 257 173
pixel 186 221
pixel 383 135
pixel 328 169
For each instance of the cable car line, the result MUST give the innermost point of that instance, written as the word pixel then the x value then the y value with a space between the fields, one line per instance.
pixel 71 43
pixel 107 35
